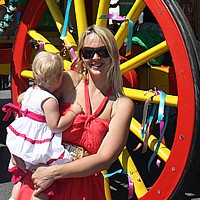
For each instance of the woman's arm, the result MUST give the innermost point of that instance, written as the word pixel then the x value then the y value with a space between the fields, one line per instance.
pixel 108 152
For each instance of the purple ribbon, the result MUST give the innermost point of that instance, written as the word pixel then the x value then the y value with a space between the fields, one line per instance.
pixel 130 29
pixel 130 182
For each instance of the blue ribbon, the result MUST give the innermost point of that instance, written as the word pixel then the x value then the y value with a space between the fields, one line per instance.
pixel 130 182
pixel 129 38
pixel 152 114
pixel 161 107
pixel 160 118
pixel 144 122
pixel 120 171
pixel 65 25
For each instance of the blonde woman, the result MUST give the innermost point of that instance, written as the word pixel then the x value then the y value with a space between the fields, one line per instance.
pixel 101 130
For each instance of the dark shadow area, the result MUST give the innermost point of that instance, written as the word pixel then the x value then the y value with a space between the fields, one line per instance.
pixel 5 176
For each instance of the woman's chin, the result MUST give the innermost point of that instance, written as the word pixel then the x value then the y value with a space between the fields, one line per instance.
pixel 96 70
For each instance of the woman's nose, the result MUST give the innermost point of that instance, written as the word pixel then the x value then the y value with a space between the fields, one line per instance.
pixel 96 55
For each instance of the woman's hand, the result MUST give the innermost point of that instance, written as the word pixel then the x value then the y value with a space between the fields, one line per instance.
pixel 42 179
pixel 32 168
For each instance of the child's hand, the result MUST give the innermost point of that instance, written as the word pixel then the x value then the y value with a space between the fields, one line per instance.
pixel 76 108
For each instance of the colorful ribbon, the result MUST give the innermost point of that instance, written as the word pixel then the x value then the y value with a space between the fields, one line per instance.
pixel 149 126
pixel 144 120
pixel 161 106
pixel 163 126
pixel 73 55
pixel 66 21
pixel 72 52
pixel 147 123
pixel 130 182
pixel 130 29
pixel 41 45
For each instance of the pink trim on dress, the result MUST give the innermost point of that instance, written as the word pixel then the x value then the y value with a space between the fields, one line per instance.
pixel 28 139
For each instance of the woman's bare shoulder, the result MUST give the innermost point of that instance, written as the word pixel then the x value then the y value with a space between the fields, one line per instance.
pixel 123 103
pixel 70 81
pixel 72 76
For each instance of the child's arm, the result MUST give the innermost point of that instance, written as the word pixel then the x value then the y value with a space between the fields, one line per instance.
pixel 56 122
pixel 20 98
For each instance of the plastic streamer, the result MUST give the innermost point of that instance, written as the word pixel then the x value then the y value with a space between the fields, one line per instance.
pixel 66 21
pixel 144 120
pixel 148 129
pixel 162 128
pixel 41 43
pixel 130 29
pixel 161 106
pixel 130 182
pixel 73 54
pixel 35 42
pixel 148 119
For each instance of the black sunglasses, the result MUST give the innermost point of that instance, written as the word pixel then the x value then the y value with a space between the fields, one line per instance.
pixel 88 52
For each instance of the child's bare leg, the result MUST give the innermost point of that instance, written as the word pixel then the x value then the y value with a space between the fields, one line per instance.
pixel 15 191
pixel 41 196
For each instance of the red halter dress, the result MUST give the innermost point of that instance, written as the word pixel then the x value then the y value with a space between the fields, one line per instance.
pixel 88 132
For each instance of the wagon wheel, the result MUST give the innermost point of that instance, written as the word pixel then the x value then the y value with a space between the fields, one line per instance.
pixel 180 155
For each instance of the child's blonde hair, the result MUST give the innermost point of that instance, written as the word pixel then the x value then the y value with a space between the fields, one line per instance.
pixel 47 67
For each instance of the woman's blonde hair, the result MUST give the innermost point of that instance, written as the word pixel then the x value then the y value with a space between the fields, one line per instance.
pixel 106 36
pixel 47 67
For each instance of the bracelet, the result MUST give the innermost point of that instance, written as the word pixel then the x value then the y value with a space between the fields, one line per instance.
pixel 73 112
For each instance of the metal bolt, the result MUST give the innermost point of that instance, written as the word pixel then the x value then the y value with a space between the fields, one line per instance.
pixel 138 179
pixel 173 169
pixel 181 137
pixel 158 192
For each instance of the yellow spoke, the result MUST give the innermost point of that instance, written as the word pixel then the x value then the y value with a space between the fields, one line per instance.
pixel 133 14
pixel 129 166
pixel 59 21
pixel 163 151
pixel 102 9
pixel 144 57
pixel 80 13
pixel 47 45
pixel 139 95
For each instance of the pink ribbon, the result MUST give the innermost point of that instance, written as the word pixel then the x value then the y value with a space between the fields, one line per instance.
pixel 10 108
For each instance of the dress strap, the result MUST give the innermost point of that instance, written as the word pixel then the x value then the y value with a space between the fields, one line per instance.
pixel 87 97
pixel 10 108
pixel 87 100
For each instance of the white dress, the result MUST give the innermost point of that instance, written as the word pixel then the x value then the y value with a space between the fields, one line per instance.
pixel 32 140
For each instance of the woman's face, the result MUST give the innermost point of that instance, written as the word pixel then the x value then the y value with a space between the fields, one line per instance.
pixel 95 55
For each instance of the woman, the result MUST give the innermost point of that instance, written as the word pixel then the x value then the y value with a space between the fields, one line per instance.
pixel 101 131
